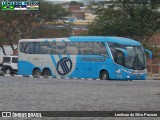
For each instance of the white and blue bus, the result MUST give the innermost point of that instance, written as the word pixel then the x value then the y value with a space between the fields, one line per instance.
pixel 96 57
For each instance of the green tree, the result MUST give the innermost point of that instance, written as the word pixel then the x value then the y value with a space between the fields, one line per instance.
pixel 137 19
pixel 77 3
pixel 15 25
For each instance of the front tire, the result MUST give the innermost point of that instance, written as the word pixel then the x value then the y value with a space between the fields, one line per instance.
pixel 8 71
pixel 36 73
pixel 104 75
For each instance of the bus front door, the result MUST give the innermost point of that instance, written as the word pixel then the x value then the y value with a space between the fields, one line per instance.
pixel 119 59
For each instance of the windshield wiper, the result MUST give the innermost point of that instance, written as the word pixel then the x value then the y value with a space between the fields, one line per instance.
pixel 137 64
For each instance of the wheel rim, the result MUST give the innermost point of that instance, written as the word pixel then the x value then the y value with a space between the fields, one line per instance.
pixel 8 71
pixel 36 73
pixel 46 74
pixel 104 76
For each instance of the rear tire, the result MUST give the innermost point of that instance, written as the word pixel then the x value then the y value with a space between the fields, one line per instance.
pixel 8 71
pixel 46 73
pixel 36 72
pixel 104 75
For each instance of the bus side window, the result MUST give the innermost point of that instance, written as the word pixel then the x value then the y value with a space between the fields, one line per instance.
pixel 53 51
pixel 103 48
pixel 37 48
pixel 23 47
pixel 60 47
pixel 86 48
pixel 43 48
pixel 119 58
pixel 27 47
pixel 99 48
pixel 72 48
pixel 48 48
pixel 31 46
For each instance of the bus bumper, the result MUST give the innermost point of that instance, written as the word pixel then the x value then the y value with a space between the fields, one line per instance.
pixel 137 77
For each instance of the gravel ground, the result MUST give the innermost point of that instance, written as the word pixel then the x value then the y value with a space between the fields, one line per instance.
pixel 39 94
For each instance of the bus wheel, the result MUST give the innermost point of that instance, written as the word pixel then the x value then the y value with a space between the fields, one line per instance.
pixel 36 72
pixel 104 75
pixel 46 73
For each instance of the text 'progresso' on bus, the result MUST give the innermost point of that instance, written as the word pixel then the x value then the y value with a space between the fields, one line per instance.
pixel 96 57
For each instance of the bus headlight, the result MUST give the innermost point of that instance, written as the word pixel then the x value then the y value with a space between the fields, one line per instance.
pixel 128 76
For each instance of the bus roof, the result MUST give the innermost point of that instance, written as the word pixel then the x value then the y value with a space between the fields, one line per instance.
pixel 120 40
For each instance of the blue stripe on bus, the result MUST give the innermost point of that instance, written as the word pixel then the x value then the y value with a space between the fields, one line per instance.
pixel 68 56
pixel 60 56
pixel 53 60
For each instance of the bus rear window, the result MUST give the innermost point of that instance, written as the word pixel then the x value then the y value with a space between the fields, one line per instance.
pixel 27 47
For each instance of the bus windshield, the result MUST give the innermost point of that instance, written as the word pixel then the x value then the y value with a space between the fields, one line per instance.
pixel 135 59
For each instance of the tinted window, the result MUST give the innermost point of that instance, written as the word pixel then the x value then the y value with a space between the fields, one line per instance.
pixel 72 48
pixel 113 47
pixel 86 48
pixel 119 59
pixel 27 47
pixel 45 48
pixel 23 46
pixel 14 60
pixel 6 59
pixel 60 48
pixel 99 48
pixel 31 48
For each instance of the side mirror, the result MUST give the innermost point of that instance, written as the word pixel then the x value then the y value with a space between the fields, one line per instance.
pixel 124 51
pixel 149 52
